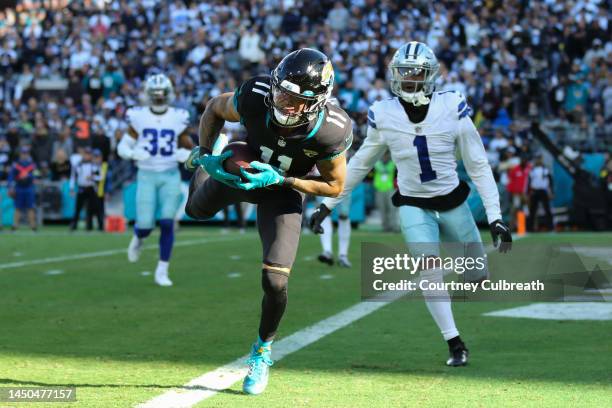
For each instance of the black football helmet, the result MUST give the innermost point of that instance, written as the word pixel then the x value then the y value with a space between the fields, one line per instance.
pixel 300 86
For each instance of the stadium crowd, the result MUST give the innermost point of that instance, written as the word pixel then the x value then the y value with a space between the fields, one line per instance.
pixel 69 69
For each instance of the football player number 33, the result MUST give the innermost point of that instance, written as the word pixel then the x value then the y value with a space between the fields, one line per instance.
pixel 160 141
pixel 266 155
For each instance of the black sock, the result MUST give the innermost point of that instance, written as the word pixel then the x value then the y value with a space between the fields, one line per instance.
pixel 455 342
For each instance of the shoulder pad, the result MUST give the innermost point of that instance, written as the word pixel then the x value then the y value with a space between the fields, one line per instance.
pixel 377 110
pixel 456 103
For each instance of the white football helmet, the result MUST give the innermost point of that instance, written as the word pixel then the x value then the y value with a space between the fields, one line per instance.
pixel 414 69
pixel 158 92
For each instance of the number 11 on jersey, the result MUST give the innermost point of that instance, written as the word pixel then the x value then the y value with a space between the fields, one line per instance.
pixel 266 156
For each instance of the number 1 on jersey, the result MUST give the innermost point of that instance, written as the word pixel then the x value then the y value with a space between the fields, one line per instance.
pixel 427 173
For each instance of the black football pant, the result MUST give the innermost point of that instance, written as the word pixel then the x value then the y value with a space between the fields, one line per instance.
pixel 279 220
pixel 537 197
pixel 85 196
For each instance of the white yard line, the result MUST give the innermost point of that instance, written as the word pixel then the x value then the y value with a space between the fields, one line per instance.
pixel 224 377
pixel 110 252
pixel 210 383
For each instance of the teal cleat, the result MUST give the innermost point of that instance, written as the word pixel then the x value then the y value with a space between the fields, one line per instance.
pixel 259 368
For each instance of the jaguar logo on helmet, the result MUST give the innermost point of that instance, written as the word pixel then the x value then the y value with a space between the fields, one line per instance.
pixel 327 73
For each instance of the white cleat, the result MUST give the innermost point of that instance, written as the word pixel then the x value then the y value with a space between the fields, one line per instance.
pixel 161 278
pixel 134 249
pixel 344 262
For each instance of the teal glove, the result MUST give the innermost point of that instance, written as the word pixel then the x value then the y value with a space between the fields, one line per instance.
pixel 267 176
pixel 214 167
pixel 193 161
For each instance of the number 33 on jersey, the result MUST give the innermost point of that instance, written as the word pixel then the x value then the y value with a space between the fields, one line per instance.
pixel 158 134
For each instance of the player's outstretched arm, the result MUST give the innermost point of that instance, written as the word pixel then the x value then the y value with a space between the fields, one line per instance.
pixel 218 110
pixel 329 183
pixel 360 165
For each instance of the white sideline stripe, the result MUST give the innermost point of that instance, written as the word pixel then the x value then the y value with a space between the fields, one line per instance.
pixel 210 383
pixel 559 311
pixel 107 253
pixel 224 377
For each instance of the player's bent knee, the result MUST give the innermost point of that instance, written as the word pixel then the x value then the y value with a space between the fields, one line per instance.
pixel 196 212
pixel 274 282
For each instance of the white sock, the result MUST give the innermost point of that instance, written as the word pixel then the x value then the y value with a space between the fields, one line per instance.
pixel 326 236
pixel 162 266
pixel 439 304
pixel 344 236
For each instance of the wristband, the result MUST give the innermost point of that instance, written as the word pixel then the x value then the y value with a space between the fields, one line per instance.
pixel 288 181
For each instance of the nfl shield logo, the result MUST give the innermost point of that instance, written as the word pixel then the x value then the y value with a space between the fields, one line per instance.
pixel 281 142
pixel 417 129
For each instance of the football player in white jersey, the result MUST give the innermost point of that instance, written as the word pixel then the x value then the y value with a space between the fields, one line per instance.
pixel 423 129
pixel 157 139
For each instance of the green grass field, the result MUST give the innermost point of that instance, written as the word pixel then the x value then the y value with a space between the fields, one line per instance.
pixel 98 324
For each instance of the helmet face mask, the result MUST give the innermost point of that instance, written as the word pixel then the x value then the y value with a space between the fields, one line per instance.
pixel 301 84
pixel 413 71
pixel 291 109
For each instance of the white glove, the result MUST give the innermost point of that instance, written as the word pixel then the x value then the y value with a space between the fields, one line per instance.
pixel 140 154
pixel 182 155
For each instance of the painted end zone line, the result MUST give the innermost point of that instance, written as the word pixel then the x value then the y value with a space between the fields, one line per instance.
pixel 224 377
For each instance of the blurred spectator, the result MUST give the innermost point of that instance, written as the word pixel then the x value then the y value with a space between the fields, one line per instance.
pixel 21 188
pixel 384 184
pixel 338 17
pixel 5 156
pixel 605 177
pixel 515 61
pixel 63 142
pixel 60 166
pixel 540 188
pixel 517 186
pixel 100 186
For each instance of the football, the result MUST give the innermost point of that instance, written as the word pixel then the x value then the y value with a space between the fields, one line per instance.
pixel 242 157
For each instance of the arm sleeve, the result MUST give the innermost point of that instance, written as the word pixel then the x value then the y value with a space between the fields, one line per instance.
pixel 477 166
pixel 360 165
